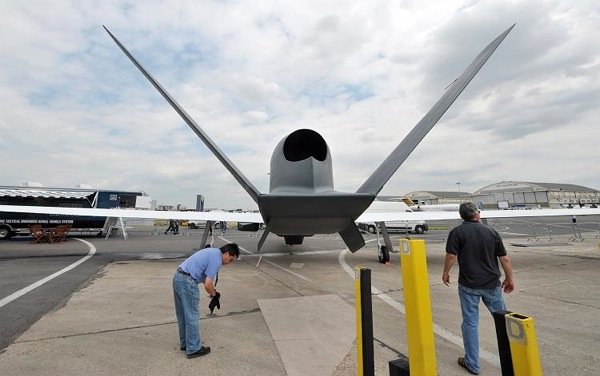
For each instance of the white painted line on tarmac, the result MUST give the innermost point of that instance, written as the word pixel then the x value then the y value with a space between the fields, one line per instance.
pixel 39 283
pixel 289 271
pixel 241 248
pixel 273 264
pixel 438 330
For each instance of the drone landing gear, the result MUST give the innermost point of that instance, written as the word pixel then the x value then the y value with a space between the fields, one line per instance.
pixel 383 254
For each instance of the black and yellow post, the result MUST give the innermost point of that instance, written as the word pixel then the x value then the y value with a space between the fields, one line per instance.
pixel 503 344
pixel 365 362
pixel 523 345
pixel 419 321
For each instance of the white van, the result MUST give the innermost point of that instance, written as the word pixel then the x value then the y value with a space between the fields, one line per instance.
pixel 413 226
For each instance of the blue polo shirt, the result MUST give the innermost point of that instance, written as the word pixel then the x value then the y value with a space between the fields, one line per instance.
pixel 204 263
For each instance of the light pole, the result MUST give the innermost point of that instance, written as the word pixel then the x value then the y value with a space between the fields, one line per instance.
pixel 458 185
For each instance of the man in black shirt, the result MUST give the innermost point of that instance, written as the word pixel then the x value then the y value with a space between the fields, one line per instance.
pixel 478 249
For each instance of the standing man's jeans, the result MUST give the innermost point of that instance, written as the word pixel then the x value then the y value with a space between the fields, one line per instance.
pixel 187 298
pixel 469 305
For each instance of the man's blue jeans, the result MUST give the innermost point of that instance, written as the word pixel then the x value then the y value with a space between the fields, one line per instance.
pixel 187 298
pixel 469 305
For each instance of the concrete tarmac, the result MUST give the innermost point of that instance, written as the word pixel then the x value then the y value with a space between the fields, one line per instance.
pixel 293 314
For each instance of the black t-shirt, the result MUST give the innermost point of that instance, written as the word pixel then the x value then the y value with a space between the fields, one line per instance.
pixel 477 247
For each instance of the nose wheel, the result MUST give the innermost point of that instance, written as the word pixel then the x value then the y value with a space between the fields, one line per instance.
pixel 383 254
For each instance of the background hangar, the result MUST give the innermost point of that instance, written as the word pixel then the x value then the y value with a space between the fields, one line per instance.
pixel 516 194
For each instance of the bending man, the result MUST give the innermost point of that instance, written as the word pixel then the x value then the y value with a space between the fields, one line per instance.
pixel 201 267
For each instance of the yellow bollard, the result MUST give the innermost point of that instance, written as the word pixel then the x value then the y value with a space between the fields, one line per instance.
pixel 419 322
pixel 523 345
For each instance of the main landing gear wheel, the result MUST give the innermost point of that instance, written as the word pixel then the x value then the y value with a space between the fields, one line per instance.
pixel 383 254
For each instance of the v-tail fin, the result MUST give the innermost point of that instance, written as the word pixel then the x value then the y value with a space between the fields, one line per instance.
pixel 384 172
pixel 244 182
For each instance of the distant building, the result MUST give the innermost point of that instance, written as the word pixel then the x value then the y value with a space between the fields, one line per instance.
pixel 516 194
pixel 438 197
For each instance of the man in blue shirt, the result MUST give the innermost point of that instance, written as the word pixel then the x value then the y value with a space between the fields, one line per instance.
pixel 478 249
pixel 201 267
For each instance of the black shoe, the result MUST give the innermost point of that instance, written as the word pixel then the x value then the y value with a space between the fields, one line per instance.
pixel 461 362
pixel 182 348
pixel 203 351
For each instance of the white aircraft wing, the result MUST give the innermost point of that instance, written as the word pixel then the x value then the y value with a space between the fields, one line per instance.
pixel 538 213
pixel 257 218
pixel 485 214
pixel 132 213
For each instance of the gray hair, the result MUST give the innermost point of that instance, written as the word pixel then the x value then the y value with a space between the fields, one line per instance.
pixel 467 210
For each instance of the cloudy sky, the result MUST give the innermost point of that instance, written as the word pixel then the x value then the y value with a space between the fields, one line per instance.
pixel 76 111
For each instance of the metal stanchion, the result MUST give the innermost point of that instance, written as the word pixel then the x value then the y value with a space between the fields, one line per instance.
pixel 503 343
pixel 365 361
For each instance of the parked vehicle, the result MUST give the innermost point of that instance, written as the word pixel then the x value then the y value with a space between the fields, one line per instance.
pixel 193 224
pixel 409 226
